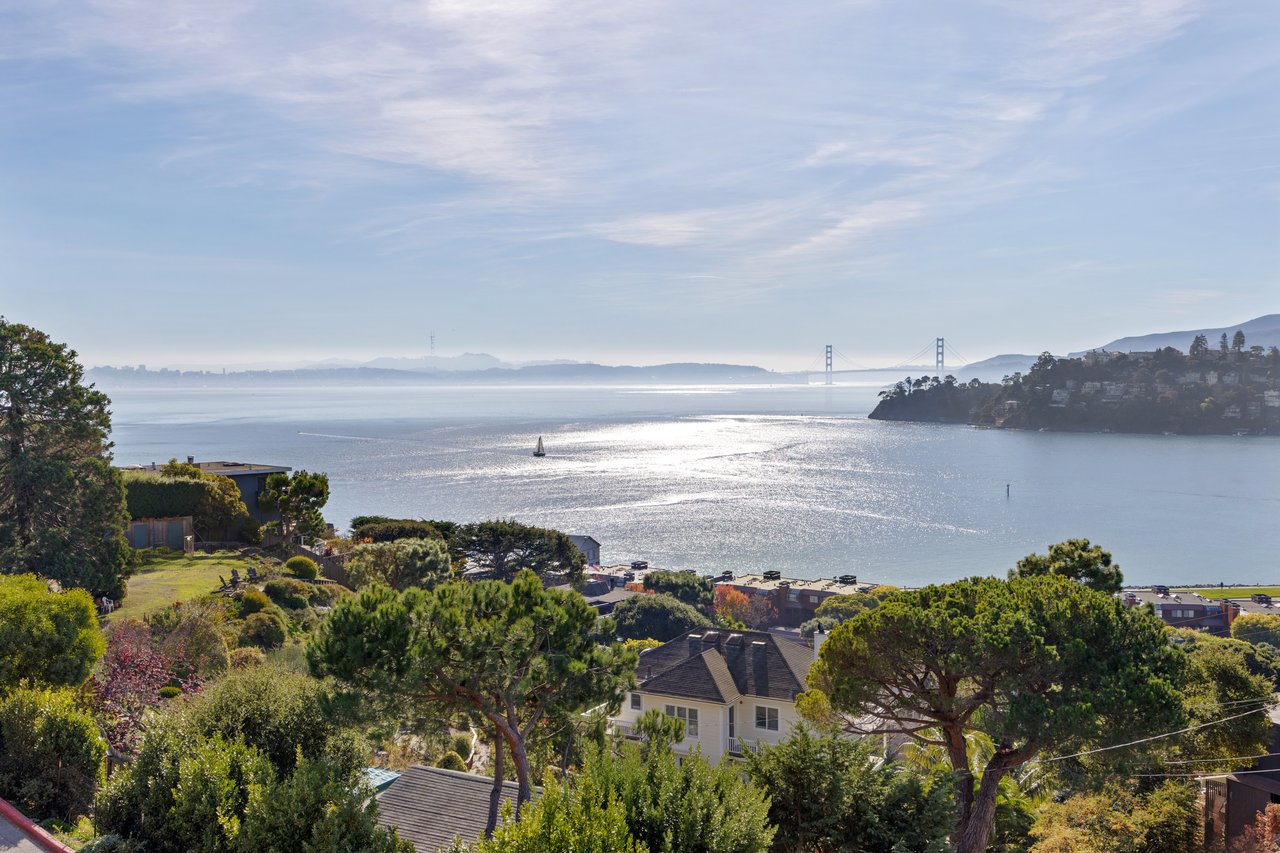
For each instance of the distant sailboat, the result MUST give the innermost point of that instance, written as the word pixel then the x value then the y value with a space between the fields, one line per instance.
pixel 538 451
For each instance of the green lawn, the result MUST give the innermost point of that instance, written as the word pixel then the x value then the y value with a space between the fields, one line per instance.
pixel 177 577
pixel 1233 591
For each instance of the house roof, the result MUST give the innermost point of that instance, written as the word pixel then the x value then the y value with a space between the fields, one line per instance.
pixel 832 586
pixel 600 592
pixel 18 834
pixel 719 666
pixel 431 806
pixel 237 469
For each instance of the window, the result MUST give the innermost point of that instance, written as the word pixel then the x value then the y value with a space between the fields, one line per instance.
pixel 635 701
pixel 690 717
pixel 766 718
pixel 793 595
pixel 731 732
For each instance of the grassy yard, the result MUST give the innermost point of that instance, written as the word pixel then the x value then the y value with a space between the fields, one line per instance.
pixel 177 577
pixel 1233 591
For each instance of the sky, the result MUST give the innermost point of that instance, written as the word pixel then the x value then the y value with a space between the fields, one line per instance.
pixel 233 182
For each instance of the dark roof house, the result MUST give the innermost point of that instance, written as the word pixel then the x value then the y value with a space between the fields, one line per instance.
pixel 431 806
pixel 721 666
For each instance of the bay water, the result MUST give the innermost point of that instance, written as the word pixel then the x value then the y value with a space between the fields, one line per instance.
pixel 745 478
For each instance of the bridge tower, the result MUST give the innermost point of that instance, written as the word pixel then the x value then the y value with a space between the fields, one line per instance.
pixel 940 356
pixel 828 364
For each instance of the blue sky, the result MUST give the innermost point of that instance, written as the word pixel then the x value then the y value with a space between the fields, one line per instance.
pixel 223 183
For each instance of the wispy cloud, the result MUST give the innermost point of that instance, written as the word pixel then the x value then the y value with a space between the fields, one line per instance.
pixel 730 149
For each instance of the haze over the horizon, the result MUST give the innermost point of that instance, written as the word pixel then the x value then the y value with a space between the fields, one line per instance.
pixel 252 181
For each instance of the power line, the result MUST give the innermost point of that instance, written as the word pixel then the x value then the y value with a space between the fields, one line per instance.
pixel 1200 775
pixel 1232 758
pixel 1146 739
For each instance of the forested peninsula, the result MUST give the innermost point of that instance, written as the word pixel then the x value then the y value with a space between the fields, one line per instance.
pixel 1223 390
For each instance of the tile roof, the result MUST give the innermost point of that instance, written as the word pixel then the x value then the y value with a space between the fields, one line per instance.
pixel 431 806
pixel 719 666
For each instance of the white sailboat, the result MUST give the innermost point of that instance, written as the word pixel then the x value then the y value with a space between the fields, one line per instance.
pixel 538 451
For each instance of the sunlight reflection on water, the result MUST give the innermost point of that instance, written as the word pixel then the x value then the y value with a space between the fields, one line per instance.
pixel 744 479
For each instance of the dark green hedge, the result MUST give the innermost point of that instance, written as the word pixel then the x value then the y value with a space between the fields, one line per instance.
pixel 390 531
pixel 158 497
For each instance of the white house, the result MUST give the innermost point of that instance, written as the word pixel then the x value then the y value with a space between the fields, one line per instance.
pixel 731 689
pixel 589 547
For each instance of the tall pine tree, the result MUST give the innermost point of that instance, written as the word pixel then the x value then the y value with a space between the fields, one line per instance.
pixel 62 509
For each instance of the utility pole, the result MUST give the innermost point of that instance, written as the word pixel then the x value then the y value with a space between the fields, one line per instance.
pixel 828 364
pixel 940 356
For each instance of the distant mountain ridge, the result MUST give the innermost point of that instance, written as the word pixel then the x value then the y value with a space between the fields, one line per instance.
pixel 559 373
pixel 1260 331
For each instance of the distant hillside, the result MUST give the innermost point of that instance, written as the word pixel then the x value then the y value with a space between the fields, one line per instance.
pixel 995 368
pixel 1261 331
pixel 661 374
pixel 439 363
pixel 1212 392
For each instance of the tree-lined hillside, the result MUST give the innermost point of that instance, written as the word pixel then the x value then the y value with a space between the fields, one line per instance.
pixel 1217 387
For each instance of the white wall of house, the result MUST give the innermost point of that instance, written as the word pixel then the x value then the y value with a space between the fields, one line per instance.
pixel 713 721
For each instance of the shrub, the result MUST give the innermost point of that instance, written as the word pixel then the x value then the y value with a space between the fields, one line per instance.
pixel 461 745
pixel 46 637
pixel 389 530
pixel 659 617
pixel 580 817
pixel 1257 628
pixel 277 712
pixel 323 594
pixel 191 634
pixel 51 754
pixel 127 685
pixel 111 844
pixel 265 629
pixel 316 808
pixel 250 530
pixel 151 496
pixel 452 761
pixel 683 586
pixel 289 594
pixel 253 601
pixel 183 792
pixel 302 567
pixel 400 564
pixel 687 800
pixel 247 657
pixel 170 692
pixel 302 621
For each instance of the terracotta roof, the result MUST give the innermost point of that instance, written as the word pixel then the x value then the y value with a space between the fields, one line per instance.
pixel 721 666
pixel 431 806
